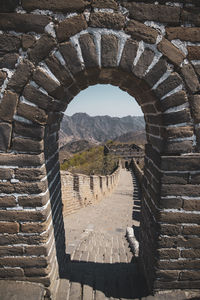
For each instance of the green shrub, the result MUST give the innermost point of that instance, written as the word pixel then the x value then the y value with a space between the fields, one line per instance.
pixel 91 161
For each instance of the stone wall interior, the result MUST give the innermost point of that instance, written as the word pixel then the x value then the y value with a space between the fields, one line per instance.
pixel 49 52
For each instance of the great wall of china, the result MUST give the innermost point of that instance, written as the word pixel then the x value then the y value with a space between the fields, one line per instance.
pixel 49 52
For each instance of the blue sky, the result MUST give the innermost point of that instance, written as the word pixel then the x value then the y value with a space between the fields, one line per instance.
pixel 101 100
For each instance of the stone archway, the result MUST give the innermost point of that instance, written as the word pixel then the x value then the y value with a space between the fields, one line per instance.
pixel 100 46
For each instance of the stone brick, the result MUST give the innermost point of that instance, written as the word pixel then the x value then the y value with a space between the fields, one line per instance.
pixel 7 201
pixel 55 5
pixel 36 250
pixel 171 52
pixel 128 55
pixel 34 272
pixel 35 227
pixel 191 205
pixel 177 285
pixel 168 253
pixel 24 216
pixel 190 275
pixel 156 72
pixel 23 22
pixel 24 188
pixel 9 60
pixel 197 132
pixel 9 239
pixel 23 262
pixel 8 106
pixel 191 15
pixel 177 117
pixel 197 70
pixel 11 250
pixel 59 70
pixel 175 178
pixel 5 136
pixel 191 230
pixel 11 273
pixel 9 227
pixel 190 78
pixel 30 174
pixel 54 116
pixel 33 131
pixel 193 52
pixel 27 145
pixel 189 242
pixel 8 5
pixel 175 217
pixel 190 34
pixel 171 203
pixel 170 230
pixel 6 174
pixel 31 113
pixel 92 75
pixel 177 147
pixel 169 84
pixel 140 32
pixel 88 50
pixel 51 86
pixel 28 41
pixel 3 76
pixel 175 99
pixel 104 4
pixel 70 27
pixel 107 20
pixel 109 50
pixel 105 76
pixel 152 12
pixel 190 253
pixel 167 275
pixel 195 105
pixel 143 63
pixel 70 56
pixel 34 95
pixel 21 76
pixel 194 178
pixel 21 160
pixel 168 241
pixel 180 190
pixel 183 163
pixel 9 43
pixel 74 89
pixel 41 48
pixel 178 132
pixel 179 264
pixel 33 201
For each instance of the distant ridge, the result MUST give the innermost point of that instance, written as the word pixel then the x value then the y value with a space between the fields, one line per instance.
pixel 99 129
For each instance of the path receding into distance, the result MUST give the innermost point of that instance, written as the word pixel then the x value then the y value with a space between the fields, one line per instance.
pixel 102 265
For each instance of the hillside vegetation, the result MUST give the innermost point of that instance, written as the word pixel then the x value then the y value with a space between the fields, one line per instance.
pixel 90 162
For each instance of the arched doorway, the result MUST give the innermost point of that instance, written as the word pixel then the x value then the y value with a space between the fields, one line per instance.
pixel 150 68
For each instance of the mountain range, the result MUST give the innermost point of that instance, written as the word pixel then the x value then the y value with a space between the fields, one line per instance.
pixel 100 129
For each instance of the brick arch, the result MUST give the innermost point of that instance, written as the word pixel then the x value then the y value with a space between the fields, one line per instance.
pixel 136 58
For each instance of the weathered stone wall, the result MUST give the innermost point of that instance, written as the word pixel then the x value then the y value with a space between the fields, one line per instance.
pixel 49 52
pixel 137 171
pixel 80 190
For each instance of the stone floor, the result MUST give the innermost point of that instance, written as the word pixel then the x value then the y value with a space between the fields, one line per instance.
pixel 102 265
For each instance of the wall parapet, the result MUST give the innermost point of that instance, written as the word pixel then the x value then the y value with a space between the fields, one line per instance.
pixel 79 190
pixel 138 172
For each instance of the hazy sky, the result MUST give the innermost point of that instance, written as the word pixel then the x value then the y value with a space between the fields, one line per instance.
pixel 104 100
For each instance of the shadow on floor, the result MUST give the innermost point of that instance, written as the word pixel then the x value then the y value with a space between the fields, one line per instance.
pixel 119 280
